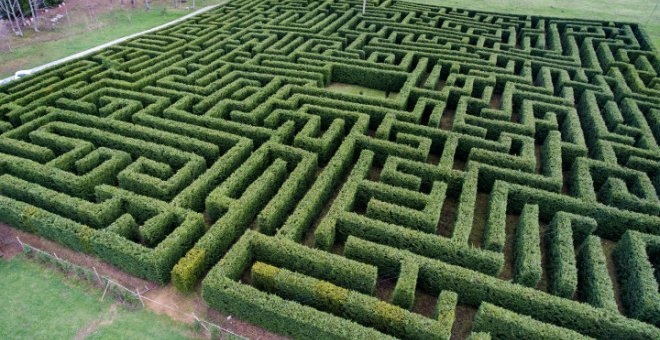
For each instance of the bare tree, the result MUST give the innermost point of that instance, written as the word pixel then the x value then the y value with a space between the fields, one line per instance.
pixel 35 14
pixel 17 7
pixel 66 11
pixel 9 8
pixel 5 33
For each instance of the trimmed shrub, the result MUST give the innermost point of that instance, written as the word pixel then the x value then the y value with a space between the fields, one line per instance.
pixel 527 252
pixel 596 286
pixel 639 286
pixel 504 324
pixel 473 288
pixel 404 291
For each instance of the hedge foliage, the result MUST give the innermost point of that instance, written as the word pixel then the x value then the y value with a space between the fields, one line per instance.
pixel 473 288
pixel 494 161
pixel 596 286
pixel 636 273
pixel 527 254
pixel 503 324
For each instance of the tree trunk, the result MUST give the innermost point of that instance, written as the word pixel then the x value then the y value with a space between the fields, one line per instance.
pixel 20 10
pixel 35 14
pixel 7 6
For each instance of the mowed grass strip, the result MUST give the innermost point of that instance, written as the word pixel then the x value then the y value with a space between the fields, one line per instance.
pixel 40 303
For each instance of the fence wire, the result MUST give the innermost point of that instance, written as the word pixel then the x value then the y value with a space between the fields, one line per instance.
pixel 120 292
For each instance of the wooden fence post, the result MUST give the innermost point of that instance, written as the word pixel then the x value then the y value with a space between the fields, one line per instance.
pixel 105 290
pixel 140 297
pixel 97 275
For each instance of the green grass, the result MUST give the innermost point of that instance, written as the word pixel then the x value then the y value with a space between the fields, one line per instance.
pixel 140 326
pixel 39 303
pixel 639 11
pixel 355 89
pixel 359 90
pixel 76 38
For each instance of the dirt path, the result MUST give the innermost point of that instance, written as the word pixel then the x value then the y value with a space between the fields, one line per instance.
pixel 165 299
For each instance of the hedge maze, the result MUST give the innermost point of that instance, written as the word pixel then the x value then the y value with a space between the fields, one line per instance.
pixel 499 180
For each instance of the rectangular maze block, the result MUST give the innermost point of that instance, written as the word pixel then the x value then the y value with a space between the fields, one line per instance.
pixel 416 171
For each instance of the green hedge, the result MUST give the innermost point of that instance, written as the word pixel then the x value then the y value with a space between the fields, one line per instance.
pixel 363 309
pixel 473 288
pixel 287 254
pixel 277 314
pixel 221 290
pixel 561 263
pixel 445 308
pixel 639 285
pixel 403 294
pixel 504 324
pixel 596 285
pixel 527 248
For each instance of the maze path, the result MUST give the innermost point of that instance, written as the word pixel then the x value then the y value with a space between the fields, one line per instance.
pixel 505 181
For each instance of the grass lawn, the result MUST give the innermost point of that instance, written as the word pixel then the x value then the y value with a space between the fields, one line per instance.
pixel 140 325
pixel 39 303
pixel 640 11
pixel 72 39
pixel 359 90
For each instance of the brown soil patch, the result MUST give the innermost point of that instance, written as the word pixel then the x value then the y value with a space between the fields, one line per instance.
pixel 374 173
pixel 440 85
pixel 447 120
pixel 433 158
pixel 385 288
pixel 495 101
pixel 447 216
pixel 459 163
pixel 424 304
pixel 463 324
pixel 515 116
pixel 566 182
pixel 179 306
pixel 479 220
